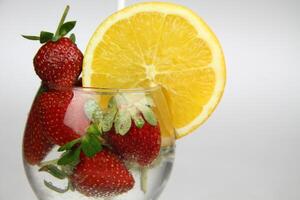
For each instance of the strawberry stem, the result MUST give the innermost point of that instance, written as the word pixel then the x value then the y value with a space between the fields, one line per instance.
pixel 56 189
pixel 53 162
pixel 144 179
pixel 62 20
pixel 30 37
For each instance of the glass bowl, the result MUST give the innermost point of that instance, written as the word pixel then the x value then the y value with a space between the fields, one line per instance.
pixel 91 143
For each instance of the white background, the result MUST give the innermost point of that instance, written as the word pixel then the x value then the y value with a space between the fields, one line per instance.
pixel 248 150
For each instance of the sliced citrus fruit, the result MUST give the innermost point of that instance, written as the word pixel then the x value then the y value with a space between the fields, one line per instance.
pixel 160 44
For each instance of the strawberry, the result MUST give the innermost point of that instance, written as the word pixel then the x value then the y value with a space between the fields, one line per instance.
pixel 35 145
pixel 141 145
pixel 102 175
pixel 53 106
pixel 136 134
pixel 58 62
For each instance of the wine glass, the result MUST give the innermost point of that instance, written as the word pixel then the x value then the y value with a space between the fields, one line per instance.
pixel 130 128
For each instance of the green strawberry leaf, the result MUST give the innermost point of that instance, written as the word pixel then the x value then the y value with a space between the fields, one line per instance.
pixel 103 119
pixel 61 22
pixel 137 117
pixel 68 169
pixel 62 29
pixel 70 157
pixel 149 101
pixel 92 110
pixel 93 129
pixel 148 114
pixel 31 37
pixel 45 36
pixel 69 145
pixel 122 122
pixel 120 100
pixel 66 28
pixel 97 119
pixel 55 38
pixel 112 104
pixel 138 121
pixel 73 38
pixel 54 188
pixel 54 171
pixel 108 120
pixel 109 115
pixel 90 144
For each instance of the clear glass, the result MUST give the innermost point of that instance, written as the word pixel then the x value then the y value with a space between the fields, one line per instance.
pixel 150 179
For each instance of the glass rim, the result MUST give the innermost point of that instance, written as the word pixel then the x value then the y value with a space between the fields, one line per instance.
pixel 117 90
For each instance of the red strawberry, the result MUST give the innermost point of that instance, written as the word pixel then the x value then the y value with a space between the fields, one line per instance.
pixel 35 145
pixel 58 63
pixel 102 175
pixel 141 145
pixel 53 107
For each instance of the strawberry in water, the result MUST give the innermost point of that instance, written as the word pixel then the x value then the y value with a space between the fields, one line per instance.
pixel 103 175
pixel 35 145
pixel 53 106
pixel 58 62
pixel 136 136
pixel 141 145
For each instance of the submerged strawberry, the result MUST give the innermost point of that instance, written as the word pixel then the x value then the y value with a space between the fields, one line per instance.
pixel 136 134
pixel 103 175
pixel 53 107
pixel 58 62
pixel 141 145
pixel 35 145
